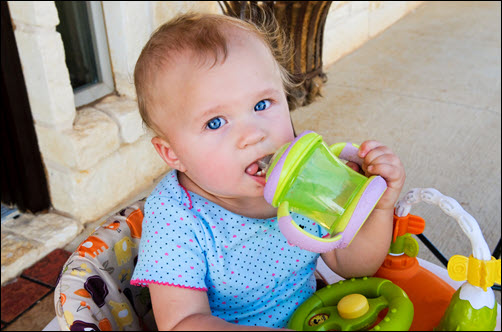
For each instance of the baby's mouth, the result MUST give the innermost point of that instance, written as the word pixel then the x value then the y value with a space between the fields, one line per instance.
pixel 259 167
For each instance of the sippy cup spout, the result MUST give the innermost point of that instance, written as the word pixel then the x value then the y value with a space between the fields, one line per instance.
pixel 264 163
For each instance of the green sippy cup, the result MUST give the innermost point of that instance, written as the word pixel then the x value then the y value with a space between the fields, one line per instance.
pixel 307 177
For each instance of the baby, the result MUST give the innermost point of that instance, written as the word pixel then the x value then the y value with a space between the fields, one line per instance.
pixel 211 251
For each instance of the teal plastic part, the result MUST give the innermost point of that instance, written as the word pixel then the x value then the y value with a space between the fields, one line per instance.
pixel 320 313
pixel 461 316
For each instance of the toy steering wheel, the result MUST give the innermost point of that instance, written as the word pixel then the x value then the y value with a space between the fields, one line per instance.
pixel 354 304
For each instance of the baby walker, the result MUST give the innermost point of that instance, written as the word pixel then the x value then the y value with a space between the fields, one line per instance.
pixel 402 295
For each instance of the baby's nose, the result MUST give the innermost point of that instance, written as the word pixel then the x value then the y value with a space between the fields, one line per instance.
pixel 250 135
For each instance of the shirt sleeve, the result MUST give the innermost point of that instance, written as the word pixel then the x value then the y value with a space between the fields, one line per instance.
pixel 170 252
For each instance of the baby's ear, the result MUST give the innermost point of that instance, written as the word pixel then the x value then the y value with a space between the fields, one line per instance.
pixel 167 153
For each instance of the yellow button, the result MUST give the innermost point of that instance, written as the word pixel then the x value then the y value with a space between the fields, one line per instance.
pixel 353 306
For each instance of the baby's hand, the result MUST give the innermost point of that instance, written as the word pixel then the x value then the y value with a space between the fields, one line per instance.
pixel 380 160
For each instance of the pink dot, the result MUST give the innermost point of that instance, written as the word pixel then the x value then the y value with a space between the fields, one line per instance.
pixel 161 203
pixel 198 210
pixel 221 256
pixel 146 270
pixel 181 218
pixel 191 267
pixel 179 276
pixel 223 302
pixel 195 216
pixel 272 220
pixel 243 246
pixel 206 203
pixel 156 261
pixel 224 283
pixel 235 296
pixel 160 192
pixel 296 303
pixel 168 224
pixel 235 235
pixel 269 316
pixel 277 261
pixel 190 240
pixel 221 218
pixel 282 248
pixel 213 227
pixel 226 246
pixel 297 260
pixel 247 287
pixel 243 225
pixel 178 246
pixel 156 232
pixel 267 287
pixel 147 240
pixel 166 254
pixel 273 274
pixel 153 212
pixel 232 272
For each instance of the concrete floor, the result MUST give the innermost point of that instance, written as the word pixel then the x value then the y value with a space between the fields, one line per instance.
pixel 429 88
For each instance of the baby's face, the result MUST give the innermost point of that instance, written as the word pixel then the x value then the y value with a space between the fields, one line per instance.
pixel 219 121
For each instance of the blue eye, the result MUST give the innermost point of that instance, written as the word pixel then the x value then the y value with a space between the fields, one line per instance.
pixel 262 105
pixel 215 123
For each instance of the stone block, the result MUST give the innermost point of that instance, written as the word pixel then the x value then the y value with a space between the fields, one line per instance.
pixel 166 10
pixel 128 25
pixel 356 7
pixel 55 230
pixel 338 13
pixel 344 36
pixel 39 13
pixel 93 137
pixel 87 195
pixel 383 14
pixel 18 253
pixel 125 113
pixel 47 81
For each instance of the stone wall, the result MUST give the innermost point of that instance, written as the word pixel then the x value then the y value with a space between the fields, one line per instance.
pixel 99 156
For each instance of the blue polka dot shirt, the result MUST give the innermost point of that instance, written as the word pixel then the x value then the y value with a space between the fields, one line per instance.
pixel 251 274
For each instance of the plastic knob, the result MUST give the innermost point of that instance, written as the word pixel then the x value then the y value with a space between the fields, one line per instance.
pixel 353 306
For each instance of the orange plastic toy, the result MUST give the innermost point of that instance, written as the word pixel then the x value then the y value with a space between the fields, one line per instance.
pixel 429 293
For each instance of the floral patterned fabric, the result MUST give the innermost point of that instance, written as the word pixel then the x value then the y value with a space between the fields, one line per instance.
pixel 93 291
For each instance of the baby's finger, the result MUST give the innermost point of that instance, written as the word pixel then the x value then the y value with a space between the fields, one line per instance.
pixel 354 166
pixel 393 174
pixel 374 154
pixel 367 146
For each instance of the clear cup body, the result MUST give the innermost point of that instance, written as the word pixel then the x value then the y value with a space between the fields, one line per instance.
pixel 323 188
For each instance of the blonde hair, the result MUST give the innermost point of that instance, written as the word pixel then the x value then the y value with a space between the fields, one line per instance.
pixel 203 35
